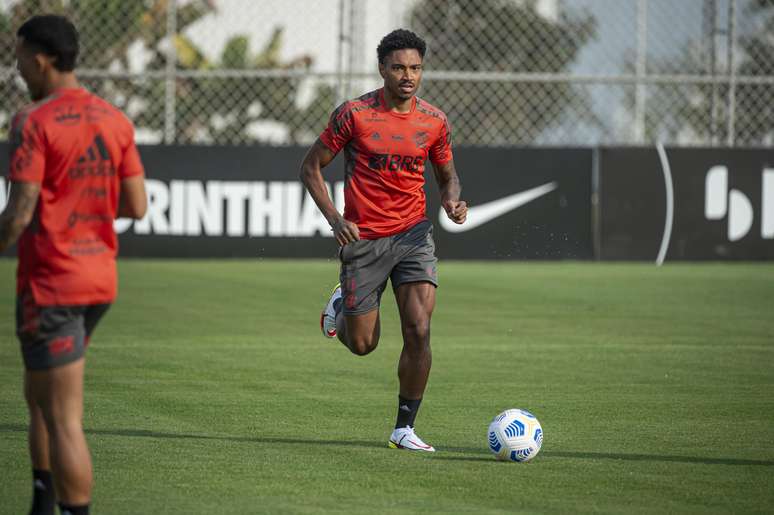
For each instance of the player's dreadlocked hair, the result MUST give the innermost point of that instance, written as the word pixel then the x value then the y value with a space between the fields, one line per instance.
pixel 398 40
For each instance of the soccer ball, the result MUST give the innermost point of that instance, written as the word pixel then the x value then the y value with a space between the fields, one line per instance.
pixel 515 435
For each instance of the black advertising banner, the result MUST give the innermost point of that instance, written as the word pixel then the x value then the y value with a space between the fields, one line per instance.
pixel 666 204
pixel 654 204
pixel 632 204
pixel 249 202
pixel 229 202
pixel 524 203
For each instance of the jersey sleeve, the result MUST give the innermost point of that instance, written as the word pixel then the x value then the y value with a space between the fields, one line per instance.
pixel 28 154
pixel 131 164
pixel 340 129
pixel 441 151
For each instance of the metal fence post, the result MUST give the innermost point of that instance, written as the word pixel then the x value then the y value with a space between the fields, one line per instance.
pixel 641 70
pixel 731 72
pixel 170 78
pixel 340 95
pixel 711 30
pixel 357 36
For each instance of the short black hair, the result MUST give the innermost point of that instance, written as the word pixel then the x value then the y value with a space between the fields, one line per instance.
pixel 398 40
pixel 52 35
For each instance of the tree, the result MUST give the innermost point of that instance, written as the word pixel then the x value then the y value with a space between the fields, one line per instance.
pixel 207 110
pixel 106 28
pixel 755 102
pixel 501 36
pixel 683 113
pixel 222 110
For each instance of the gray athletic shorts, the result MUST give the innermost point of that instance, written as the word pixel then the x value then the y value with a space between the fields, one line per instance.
pixel 366 265
pixel 52 336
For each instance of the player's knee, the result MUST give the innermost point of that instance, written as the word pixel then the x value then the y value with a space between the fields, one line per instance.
pixel 58 419
pixel 63 428
pixel 417 331
pixel 362 346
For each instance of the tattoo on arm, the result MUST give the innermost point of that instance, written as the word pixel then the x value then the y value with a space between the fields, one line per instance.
pixel 18 212
pixel 448 181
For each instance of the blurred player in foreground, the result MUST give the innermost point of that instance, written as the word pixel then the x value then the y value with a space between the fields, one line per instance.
pixel 387 136
pixel 74 168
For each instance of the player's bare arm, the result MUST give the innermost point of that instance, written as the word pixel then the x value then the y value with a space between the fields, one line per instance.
pixel 18 212
pixel 449 185
pixel 318 157
pixel 132 202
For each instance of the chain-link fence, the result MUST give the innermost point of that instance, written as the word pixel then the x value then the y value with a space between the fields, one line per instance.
pixel 507 72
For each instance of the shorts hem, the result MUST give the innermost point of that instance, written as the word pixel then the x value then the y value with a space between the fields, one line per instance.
pixel 361 311
pixel 49 366
pixel 407 281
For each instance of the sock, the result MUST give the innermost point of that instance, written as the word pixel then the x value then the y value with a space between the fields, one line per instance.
pixel 43 495
pixel 74 510
pixel 407 412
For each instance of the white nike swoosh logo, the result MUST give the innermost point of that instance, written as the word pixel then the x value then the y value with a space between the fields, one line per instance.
pixel 481 214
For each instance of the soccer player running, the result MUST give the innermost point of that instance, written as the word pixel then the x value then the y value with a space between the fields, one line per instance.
pixel 74 168
pixel 387 136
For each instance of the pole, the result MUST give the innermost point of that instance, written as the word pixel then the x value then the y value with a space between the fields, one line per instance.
pixel 639 98
pixel 169 74
pixel 731 73
pixel 711 20
pixel 340 96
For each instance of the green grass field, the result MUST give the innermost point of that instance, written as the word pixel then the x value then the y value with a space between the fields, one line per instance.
pixel 209 389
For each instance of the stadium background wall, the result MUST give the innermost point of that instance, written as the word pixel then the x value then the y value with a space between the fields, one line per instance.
pixel 538 203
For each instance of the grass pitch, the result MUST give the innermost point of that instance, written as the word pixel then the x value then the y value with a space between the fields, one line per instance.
pixel 209 389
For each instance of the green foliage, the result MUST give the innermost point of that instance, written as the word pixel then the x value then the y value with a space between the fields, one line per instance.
pixel 492 35
pixel 213 110
pixel 221 109
pixel 106 29
pixel 6 58
pixel 235 54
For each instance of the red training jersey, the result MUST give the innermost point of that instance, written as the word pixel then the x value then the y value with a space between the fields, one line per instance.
pixel 78 147
pixel 385 155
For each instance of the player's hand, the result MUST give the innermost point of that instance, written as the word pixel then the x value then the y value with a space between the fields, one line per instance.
pixel 345 231
pixel 456 210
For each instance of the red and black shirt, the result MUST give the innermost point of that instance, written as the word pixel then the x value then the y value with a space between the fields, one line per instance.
pixel 385 154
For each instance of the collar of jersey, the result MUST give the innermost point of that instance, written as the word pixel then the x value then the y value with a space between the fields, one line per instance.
pixel 395 113
pixel 69 91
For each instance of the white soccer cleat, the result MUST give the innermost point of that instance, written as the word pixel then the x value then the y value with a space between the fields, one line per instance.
pixel 328 316
pixel 406 438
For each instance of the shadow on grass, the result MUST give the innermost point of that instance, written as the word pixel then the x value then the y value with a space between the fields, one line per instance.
pixel 651 457
pixel 481 456
pixel 144 433
pixel 471 453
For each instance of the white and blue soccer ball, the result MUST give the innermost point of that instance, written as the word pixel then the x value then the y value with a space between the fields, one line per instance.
pixel 515 435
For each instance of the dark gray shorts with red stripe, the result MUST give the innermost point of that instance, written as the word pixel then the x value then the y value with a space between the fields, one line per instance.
pixel 366 265
pixel 52 336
